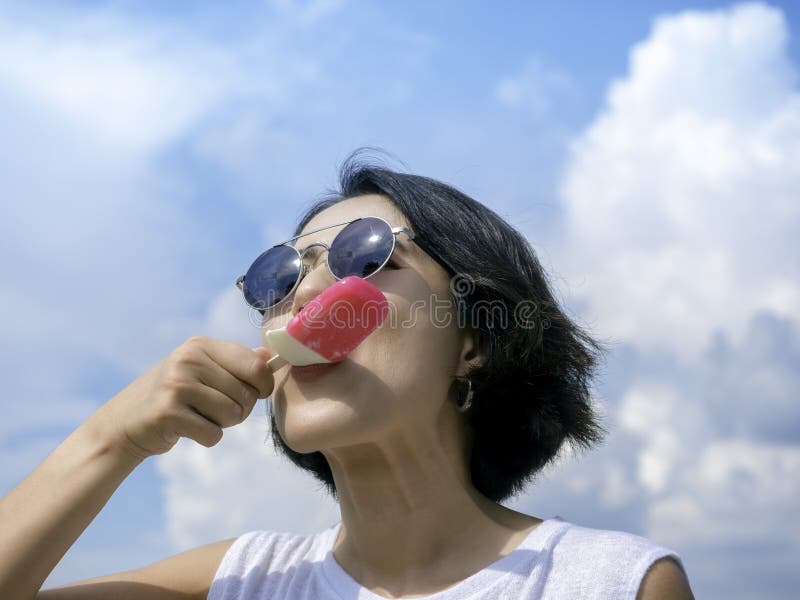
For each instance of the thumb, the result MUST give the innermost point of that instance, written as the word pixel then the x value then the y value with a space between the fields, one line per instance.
pixel 263 353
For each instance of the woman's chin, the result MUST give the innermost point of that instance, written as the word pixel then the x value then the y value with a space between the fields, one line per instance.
pixel 312 424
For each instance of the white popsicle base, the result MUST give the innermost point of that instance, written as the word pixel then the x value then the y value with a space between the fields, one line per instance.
pixel 292 351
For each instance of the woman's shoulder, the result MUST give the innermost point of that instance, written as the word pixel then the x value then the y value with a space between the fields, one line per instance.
pixel 268 546
pixel 273 550
pixel 259 559
pixel 605 540
pixel 610 557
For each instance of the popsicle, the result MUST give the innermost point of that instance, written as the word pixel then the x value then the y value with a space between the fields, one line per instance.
pixel 330 326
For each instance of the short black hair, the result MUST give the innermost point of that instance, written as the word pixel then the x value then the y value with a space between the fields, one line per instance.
pixel 532 394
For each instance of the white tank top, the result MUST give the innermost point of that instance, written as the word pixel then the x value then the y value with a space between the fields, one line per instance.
pixel 557 560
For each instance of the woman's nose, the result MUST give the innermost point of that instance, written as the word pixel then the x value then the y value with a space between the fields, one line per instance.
pixel 317 278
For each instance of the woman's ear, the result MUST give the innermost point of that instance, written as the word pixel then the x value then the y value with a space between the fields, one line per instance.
pixel 473 350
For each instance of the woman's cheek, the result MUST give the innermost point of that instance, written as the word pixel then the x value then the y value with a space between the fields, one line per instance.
pixel 408 344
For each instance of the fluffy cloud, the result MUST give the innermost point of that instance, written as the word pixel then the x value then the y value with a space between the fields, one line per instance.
pixel 752 389
pixel 130 89
pixel 702 458
pixel 110 247
pixel 239 485
pixel 734 509
pixel 681 205
pixel 681 209
pixel 709 511
pixel 719 443
pixel 536 89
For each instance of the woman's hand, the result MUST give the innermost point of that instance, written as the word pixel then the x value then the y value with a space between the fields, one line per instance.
pixel 201 387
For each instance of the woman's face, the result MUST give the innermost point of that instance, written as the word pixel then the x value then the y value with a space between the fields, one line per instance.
pixel 397 379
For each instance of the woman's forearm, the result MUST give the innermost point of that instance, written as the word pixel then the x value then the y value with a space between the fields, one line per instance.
pixel 43 516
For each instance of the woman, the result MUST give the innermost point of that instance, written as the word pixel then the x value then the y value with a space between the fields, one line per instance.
pixel 468 390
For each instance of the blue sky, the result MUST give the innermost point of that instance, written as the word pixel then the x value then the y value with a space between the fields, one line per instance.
pixel 648 150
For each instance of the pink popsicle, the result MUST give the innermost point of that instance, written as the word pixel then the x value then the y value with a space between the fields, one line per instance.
pixel 331 325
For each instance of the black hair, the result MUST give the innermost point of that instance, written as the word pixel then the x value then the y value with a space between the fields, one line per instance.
pixel 532 394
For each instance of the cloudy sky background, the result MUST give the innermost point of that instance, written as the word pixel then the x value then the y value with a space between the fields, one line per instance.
pixel 650 153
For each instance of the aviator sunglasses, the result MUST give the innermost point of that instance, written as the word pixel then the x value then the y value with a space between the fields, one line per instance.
pixel 362 248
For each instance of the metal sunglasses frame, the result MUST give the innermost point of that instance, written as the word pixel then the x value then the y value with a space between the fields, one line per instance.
pixel 304 269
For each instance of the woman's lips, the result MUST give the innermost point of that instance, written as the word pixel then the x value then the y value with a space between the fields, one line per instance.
pixel 310 372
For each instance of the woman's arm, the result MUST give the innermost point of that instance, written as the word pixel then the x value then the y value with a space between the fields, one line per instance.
pixel 665 580
pixel 203 386
pixel 185 576
pixel 42 517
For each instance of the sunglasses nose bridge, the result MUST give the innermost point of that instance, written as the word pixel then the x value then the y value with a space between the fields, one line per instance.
pixel 312 280
pixel 307 248
pixel 305 268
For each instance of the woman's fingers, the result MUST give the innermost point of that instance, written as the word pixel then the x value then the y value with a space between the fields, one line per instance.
pixel 198 427
pixel 203 386
pixel 218 379
pixel 242 362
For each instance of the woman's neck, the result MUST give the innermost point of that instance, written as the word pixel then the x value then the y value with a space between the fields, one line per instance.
pixel 412 522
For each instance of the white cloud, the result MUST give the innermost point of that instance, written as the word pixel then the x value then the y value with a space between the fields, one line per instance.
pixel 752 388
pixel 99 232
pixel 239 485
pixel 707 452
pixel 131 89
pixel 681 203
pixel 618 489
pixel 536 88
pixel 648 412
pixel 707 509
pixel 229 317
pixel 681 209
pixel 108 252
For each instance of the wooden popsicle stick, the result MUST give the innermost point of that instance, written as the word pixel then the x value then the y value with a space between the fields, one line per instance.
pixel 276 362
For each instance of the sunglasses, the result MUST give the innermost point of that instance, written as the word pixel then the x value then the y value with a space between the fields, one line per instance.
pixel 362 248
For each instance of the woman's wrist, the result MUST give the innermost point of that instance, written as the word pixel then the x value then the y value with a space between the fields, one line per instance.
pixel 101 435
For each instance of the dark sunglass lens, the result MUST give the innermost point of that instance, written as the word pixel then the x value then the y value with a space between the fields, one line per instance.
pixel 361 248
pixel 271 277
